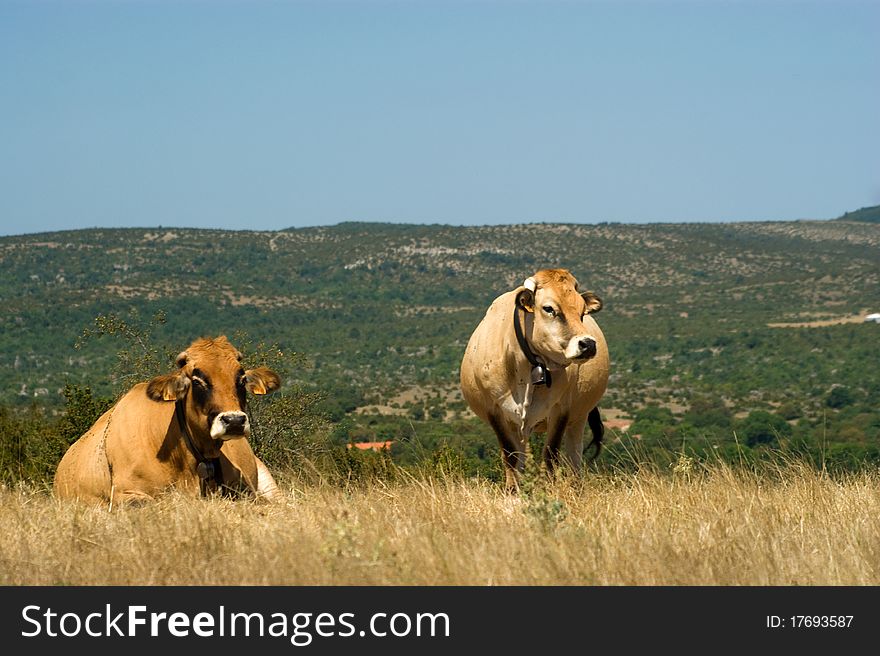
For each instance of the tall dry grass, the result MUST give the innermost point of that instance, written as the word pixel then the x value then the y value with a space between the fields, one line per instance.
pixel 775 525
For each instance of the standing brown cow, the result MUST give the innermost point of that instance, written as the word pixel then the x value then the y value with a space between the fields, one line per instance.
pixel 538 361
pixel 187 430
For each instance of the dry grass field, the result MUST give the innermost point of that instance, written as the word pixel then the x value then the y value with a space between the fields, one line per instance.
pixel 716 525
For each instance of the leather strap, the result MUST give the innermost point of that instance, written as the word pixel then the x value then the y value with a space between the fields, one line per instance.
pixel 540 373
pixel 208 469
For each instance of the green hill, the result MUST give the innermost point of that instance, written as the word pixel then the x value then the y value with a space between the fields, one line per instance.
pixel 700 318
pixel 865 214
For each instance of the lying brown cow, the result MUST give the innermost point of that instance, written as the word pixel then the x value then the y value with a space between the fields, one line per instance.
pixel 185 430
pixel 538 362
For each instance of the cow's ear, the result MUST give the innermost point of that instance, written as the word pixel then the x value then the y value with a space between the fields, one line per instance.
pixel 594 303
pixel 170 387
pixel 261 380
pixel 526 300
pixel 526 296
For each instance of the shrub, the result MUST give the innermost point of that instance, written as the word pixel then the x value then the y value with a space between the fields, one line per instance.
pixel 762 428
pixel 30 446
pixel 839 397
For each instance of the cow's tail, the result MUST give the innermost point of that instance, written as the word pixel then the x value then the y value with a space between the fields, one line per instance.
pixel 594 419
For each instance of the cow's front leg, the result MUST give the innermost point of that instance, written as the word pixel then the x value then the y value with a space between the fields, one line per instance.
pixel 573 444
pixel 128 497
pixel 513 451
pixel 555 431
pixel 267 488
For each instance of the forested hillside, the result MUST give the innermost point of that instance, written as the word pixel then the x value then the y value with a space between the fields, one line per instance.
pixel 710 326
pixel 866 214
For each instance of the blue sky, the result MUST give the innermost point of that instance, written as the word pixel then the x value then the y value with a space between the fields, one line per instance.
pixel 265 115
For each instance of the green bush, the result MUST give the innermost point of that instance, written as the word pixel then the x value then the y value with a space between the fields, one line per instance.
pixel 839 397
pixel 762 428
pixel 31 445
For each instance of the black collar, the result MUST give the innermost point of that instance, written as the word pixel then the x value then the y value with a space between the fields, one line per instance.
pixel 540 373
pixel 209 470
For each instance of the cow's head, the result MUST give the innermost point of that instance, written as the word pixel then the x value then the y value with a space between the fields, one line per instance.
pixel 557 310
pixel 214 385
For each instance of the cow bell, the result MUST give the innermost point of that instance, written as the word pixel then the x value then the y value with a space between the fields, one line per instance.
pixel 539 375
pixel 205 470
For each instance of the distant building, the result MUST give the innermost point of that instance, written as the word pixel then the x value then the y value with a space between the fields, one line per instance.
pixel 371 446
pixel 618 424
pixel 873 317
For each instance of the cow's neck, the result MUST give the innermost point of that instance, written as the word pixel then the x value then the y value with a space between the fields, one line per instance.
pixel 539 372
pixel 197 441
pixel 205 450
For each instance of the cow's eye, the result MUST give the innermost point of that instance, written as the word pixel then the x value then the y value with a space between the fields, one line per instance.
pixel 200 382
pixel 549 310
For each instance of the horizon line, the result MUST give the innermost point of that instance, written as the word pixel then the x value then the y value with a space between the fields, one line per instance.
pixel 426 224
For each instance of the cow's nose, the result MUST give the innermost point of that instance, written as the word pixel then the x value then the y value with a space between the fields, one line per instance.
pixel 233 420
pixel 228 425
pixel 587 346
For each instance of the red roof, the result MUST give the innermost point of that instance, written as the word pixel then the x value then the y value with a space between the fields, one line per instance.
pixel 375 446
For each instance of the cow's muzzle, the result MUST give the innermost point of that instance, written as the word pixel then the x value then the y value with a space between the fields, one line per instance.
pixel 230 425
pixel 587 346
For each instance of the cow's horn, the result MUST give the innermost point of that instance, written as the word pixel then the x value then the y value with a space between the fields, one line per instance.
pixel 530 284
